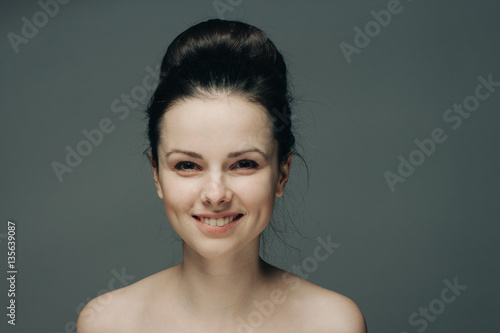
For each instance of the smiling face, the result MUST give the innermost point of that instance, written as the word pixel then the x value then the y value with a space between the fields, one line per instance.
pixel 217 158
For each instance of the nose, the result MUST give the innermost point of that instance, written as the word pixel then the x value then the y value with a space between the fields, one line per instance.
pixel 215 191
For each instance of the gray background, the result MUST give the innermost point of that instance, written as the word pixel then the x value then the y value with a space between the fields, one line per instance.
pixel 355 119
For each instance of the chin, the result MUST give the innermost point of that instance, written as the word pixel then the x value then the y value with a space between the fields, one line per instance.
pixel 212 249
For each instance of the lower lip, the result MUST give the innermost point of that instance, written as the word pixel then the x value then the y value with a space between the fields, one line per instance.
pixel 215 229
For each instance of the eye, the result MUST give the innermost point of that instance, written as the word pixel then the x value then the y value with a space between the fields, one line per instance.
pixel 246 164
pixel 185 166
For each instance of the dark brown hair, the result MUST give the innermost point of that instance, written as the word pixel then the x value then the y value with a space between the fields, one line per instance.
pixel 224 56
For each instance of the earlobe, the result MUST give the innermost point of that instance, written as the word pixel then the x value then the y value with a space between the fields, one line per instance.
pixel 157 183
pixel 283 178
pixel 156 176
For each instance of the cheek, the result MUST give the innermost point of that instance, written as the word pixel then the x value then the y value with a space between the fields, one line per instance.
pixel 177 194
pixel 257 190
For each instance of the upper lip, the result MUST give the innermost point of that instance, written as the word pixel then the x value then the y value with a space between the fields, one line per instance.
pixel 216 216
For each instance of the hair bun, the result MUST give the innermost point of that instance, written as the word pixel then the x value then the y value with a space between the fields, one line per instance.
pixel 222 41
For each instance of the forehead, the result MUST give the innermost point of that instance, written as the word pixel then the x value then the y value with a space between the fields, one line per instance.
pixel 216 122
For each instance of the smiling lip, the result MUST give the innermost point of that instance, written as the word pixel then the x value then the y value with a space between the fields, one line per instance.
pixel 223 223
pixel 218 215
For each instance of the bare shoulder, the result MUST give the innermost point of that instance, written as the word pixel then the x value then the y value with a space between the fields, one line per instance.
pixel 338 313
pixel 322 310
pixel 119 310
pixel 100 314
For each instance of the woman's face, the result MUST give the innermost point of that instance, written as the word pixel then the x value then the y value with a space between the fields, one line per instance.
pixel 217 158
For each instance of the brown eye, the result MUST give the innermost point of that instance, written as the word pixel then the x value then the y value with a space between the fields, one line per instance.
pixel 185 166
pixel 246 164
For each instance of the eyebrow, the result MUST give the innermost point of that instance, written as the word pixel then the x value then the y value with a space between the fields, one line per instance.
pixel 230 155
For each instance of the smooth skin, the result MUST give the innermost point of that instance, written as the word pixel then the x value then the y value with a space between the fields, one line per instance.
pixel 217 155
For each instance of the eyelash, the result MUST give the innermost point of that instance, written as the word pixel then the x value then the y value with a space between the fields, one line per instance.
pixel 179 165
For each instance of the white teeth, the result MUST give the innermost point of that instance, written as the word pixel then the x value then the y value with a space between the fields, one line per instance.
pixel 219 222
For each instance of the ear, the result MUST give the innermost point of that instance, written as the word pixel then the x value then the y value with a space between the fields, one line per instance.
pixel 283 177
pixel 156 176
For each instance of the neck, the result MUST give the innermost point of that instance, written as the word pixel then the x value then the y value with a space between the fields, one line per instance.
pixel 223 287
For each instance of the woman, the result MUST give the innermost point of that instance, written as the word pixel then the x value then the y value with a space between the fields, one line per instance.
pixel 221 149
